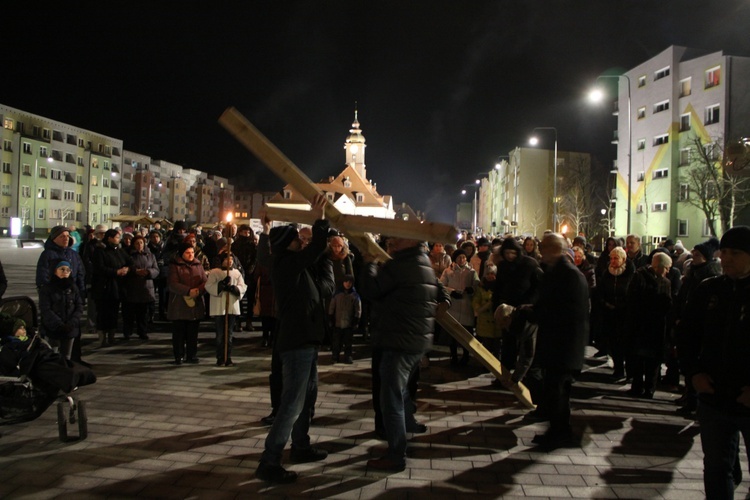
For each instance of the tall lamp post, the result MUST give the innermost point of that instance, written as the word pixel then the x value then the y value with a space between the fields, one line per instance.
pixel 474 204
pixel 534 141
pixel 597 95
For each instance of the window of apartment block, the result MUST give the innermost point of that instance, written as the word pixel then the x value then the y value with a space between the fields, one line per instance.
pixel 641 176
pixel 5 212
pixel 40 214
pixel 707 227
pixel 41 193
pixel 95 163
pixel 79 179
pixel 642 81
pixel 69 196
pixel 713 77
pixel 95 218
pixel 6 167
pixel 711 151
pixel 639 208
pixel 8 123
pixel 661 139
pixel 94 199
pixel 106 165
pixel 684 193
pixel 43 151
pixel 709 190
pixel 79 198
pixel 79 161
pixel 26 169
pixel 7 145
pixel 42 172
pixel 80 143
pixel 55 174
pixel 685 87
pixel 641 144
pixel 105 182
pixel 661 106
pixel 104 200
pixel 94 180
pixel 712 114
pixel 660 174
pixel 35 131
pixel 26 191
pixel 46 133
pixel 27 148
pixel 6 189
pixel 662 73
pixel 682 227
pixel 685 122
pixel 659 207
pixel 642 112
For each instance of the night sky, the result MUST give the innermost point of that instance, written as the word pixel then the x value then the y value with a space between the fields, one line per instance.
pixel 442 87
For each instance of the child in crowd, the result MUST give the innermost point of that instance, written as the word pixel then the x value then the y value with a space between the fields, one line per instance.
pixel 488 331
pixel 61 306
pixel 226 286
pixel 345 310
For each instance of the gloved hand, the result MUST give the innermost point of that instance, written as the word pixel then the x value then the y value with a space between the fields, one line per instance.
pixel 67 328
pixel 227 280
pixel 469 290
pixel 321 225
pixel 220 287
pixel 455 294
pixel 234 290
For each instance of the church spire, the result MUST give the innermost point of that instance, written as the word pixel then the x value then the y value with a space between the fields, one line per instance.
pixel 355 147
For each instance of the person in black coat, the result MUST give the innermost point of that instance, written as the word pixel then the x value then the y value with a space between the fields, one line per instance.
pixel 562 313
pixel 61 306
pixel 110 266
pixel 3 281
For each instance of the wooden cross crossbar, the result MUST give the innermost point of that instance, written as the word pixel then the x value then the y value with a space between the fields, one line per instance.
pixel 356 230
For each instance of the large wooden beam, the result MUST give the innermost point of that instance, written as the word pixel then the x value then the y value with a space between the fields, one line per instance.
pixel 274 159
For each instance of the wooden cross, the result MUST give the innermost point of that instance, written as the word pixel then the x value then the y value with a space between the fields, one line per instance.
pixel 356 229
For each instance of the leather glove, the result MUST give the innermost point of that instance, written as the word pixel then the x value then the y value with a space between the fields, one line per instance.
pixel 227 280
pixel 220 287
pixel 455 294
pixel 234 290
pixel 469 290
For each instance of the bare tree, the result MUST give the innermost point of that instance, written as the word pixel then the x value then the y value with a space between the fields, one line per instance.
pixel 717 180
pixel 577 204
pixel 538 221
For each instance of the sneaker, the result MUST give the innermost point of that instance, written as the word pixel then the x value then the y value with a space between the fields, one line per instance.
pixel 301 456
pixel 386 464
pixel 274 474
pixel 229 363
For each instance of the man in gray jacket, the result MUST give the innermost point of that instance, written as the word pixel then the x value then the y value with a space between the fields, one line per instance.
pixel 405 296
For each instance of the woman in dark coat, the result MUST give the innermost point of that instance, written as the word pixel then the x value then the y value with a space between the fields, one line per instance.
pixel 187 284
pixel 612 290
pixel 139 296
pixel 110 266
pixel 61 306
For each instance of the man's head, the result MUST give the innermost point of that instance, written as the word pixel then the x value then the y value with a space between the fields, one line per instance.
pixel 112 237
pixel 59 236
pixel 735 252
pixel 336 243
pixel 459 258
pixel 190 239
pixel 180 227
pixel 660 263
pixel 483 244
pixel 305 236
pixel 100 231
pixel 285 238
pixel 552 247
pixel 154 238
pixel 243 230
pixel 633 244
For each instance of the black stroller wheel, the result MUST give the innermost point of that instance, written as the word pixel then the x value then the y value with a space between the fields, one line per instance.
pixel 62 422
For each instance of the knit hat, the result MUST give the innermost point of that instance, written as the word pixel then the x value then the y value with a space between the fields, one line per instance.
pixel 18 324
pixel 281 236
pixel 708 248
pixel 57 231
pixel 180 225
pixel 182 248
pixel 62 263
pixel 579 241
pixel 737 238
pixel 100 228
pixel 483 242
pixel 457 254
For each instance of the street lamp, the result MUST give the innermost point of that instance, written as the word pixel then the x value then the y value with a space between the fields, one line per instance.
pixel 534 141
pixel 474 203
pixel 596 95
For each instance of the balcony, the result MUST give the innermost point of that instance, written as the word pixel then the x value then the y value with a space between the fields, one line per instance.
pixel 615 137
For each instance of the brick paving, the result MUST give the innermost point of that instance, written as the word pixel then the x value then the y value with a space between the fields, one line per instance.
pixel 157 430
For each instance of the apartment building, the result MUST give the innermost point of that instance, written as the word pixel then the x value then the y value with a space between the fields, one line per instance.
pixel 674 97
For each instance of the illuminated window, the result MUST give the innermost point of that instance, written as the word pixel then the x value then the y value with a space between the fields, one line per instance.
pixel 713 77
pixel 685 87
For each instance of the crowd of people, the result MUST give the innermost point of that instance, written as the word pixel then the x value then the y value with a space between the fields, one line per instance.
pixel 657 318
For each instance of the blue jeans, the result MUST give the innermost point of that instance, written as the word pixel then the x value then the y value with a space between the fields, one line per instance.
pixel 720 439
pixel 300 388
pixel 395 367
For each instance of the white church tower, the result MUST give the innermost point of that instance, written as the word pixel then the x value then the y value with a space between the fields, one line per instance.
pixel 355 148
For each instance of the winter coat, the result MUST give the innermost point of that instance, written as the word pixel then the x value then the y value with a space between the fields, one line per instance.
pixel 50 256
pixel 3 281
pixel 589 272
pixel 562 313
pixel 140 289
pixel 639 260
pixel 61 307
pixel 517 282
pixel 106 261
pixel 440 262
pixel 158 253
pixel 246 253
pixel 346 309
pixel 484 312
pixel 183 276
pixel 649 299
pixel 264 289
pixel 301 282
pixel 715 328
pixel 456 280
pixel 404 294
pixel 218 303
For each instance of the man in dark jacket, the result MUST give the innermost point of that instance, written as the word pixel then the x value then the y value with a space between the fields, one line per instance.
pixel 562 313
pixel 301 279
pixel 245 251
pixel 405 296
pixel 56 248
pixel 716 351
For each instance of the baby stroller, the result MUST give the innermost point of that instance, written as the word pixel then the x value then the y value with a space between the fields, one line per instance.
pixel 33 376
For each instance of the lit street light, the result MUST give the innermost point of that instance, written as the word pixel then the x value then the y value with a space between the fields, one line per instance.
pixel 534 141
pixel 476 184
pixel 596 95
